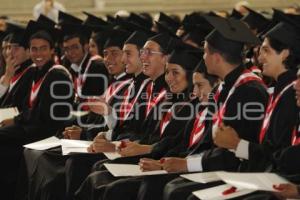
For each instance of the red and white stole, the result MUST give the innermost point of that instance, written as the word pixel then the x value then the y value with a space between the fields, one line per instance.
pixel 245 77
pixel 114 88
pixel 296 136
pixel 255 69
pixel 155 100
pixel 198 127
pixel 80 80
pixel 35 88
pixel 271 106
pixel 17 77
pixel 127 105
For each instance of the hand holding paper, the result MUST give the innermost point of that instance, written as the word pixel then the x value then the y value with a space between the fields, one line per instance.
pixel 147 164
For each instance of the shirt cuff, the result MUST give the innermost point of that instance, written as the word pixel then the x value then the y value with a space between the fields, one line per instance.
pixel 194 163
pixel 107 135
pixel 3 89
pixel 111 119
pixel 242 150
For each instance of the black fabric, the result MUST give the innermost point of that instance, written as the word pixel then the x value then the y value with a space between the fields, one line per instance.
pixel 16 97
pixel 37 122
pixel 279 133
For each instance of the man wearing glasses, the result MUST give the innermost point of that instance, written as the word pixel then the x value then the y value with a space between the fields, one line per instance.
pixel 90 76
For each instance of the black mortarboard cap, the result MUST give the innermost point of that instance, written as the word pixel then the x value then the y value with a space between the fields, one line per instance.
pixel 163 28
pixel 17 33
pixel 188 57
pixel 131 26
pixel 201 67
pixel 42 19
pixel 165 41
pixel 68 29
pixel 137 19
pixel 110 19
pixel 197 34
pixel 138 38
pixel 64 17
pixel 194 20
pixel 256 20
pixel 34 27
pixel 93 20
pixel 229 35
pixel 235 14
pixel 286 34
pixel 100 38
pixel 116 38
pixel 168 21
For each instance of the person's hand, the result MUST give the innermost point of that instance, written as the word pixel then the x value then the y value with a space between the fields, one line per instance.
pixel 7 122
pixel 287 190
pixel 72 132
pixel 134 149
pixel 100 145
pixel 147 164
pixel 226 137
pixel 99 106
pixel 173 164
pixel 9 70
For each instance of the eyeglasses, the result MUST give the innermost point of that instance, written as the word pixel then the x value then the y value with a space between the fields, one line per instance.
pixel 148 52
pixel 71 48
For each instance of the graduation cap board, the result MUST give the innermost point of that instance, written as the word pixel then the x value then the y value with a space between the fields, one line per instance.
pixel 135 18
pixel 64 17
pixel 34 27
pixel 137 38
pixel 255 20
pixel 116 38
pixel 42 19
pixel 229 35
pixel 168 21
pixel 131 26
pixel 286 34
pixel 93 20
pixel 187 59
pixel 69 29
pixel 165 41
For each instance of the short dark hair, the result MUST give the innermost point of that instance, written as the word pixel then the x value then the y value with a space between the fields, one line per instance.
pixel 291 61
pixel 45 36
pixel 82 39
pixel 228 56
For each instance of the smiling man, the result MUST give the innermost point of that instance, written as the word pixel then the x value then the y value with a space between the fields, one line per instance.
pixel 48 103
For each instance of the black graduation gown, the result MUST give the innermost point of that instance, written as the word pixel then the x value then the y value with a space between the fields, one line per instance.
pixel 216 158
pixel 46 169
pixel 16 96
pixel 35 122
pixel 94 85
pixel 129 127
pixel 96 78
pixel 279 133
pixel 171 145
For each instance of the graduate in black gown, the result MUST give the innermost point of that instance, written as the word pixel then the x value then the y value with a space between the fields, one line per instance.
pixel 153 56
pixel 41 118
pixel 90 76
pixel 20 83
pixel 46 169
pixel 240 87
pixel 281 117
pixel 185 140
